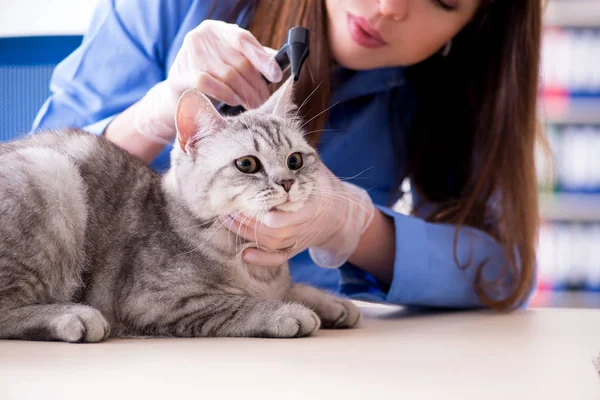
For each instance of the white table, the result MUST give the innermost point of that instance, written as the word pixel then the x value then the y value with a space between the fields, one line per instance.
pixel 534 354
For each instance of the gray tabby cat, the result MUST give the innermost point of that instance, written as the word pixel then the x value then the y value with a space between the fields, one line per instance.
pixel 93 243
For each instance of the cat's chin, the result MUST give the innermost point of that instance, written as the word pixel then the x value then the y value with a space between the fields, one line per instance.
pixel 289 206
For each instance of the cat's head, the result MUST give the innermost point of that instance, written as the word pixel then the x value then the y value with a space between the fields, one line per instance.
pixel 254 162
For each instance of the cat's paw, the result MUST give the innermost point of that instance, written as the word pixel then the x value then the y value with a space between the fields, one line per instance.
pixel 292 320
pixel 81 324
pixel 338 313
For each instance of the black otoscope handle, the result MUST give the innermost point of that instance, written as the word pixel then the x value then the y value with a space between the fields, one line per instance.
pixel 293 54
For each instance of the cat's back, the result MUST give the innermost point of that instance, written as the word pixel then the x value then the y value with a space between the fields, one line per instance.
pixel 82 147
pixel 45 164
pixel 79 170
pixel 43 201
pixel 99 162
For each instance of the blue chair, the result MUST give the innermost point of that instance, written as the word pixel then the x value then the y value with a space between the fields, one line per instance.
pixel 26 65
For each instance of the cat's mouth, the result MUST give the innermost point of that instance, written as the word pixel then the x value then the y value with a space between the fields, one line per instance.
pixel 288 206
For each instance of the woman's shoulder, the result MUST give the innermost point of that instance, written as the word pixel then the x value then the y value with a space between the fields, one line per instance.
pixel 178 11
pixel 213 9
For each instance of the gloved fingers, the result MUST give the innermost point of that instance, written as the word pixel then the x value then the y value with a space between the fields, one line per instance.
pixel 263 258
pixel 262 59
pixel 277 233
pixel 253 234
pixel 236 81
pixel 221 60
pixel 270 51
pixel 215 88
pixel 245 68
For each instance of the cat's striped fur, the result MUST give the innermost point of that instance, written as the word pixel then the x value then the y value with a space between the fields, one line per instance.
pixel 93 243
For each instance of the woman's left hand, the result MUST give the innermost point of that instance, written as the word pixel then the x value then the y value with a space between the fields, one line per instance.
pixel 330 225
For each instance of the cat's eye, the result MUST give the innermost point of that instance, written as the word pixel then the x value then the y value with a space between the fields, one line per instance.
pixel 248 164
pixel 294 161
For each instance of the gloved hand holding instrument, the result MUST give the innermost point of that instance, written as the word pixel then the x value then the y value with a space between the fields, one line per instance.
pixel 293 54
pixel 226 63
pixel 221 60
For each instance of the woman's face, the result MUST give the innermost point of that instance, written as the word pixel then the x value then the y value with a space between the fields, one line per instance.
pixel 368 34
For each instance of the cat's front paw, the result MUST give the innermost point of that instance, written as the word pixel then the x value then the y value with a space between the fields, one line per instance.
pixel 292 320
pixel 81 324
pixel 338 314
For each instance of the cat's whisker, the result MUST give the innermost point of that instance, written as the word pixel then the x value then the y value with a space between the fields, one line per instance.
pixel 209 222
pixel 307 99
pixel 256 238
pixel 244 89
pixel 322 112
pixel 334 194
pixel 320 130
pixel 339 196
pixel 319 229
pixel 266 210
pixel 242 223
pixel 312 77
pixel 234 218
pixel 342 191
pixel 310 223
pixel 237 233
pixel 342 178
pixel 215 230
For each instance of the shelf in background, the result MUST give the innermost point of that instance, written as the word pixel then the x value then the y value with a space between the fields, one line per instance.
pixel 580 13
pixel 561 110
pixel 565 299
pixel 576 207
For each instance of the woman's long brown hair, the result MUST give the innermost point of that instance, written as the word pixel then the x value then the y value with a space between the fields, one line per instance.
pixel 472 141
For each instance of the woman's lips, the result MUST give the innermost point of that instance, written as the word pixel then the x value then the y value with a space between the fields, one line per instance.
pixel 363 34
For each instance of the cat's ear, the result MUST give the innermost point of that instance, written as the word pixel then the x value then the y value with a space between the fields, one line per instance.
pixel 281 103
pixel 196 118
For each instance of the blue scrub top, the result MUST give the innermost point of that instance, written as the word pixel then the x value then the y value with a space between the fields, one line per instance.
pixel 131 45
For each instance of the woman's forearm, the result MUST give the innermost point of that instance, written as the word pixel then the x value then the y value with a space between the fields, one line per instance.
pixel 121 131
pixel 376 250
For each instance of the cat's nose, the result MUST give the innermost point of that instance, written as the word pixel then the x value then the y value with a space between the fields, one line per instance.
pixel 287 184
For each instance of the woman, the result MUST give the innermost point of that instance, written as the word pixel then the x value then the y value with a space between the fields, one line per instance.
pixel 440 91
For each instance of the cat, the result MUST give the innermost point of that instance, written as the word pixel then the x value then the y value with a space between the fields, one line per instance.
pixel 95 244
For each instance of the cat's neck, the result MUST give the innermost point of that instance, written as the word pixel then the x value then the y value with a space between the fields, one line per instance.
pixel 200 230
pixel 176 194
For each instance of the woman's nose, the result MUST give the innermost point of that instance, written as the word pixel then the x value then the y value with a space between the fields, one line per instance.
pixel 396 10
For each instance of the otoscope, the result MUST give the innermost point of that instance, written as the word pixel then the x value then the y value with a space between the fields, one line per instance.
pixel 293 54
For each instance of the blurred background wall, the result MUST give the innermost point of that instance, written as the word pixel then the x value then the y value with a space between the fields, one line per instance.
pixel 43 17
pixel 34 36
pixel 569 250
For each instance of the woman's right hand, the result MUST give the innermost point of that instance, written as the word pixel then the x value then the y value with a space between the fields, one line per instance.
pixel 223 61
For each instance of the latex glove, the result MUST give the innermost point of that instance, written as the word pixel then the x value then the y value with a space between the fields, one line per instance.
pixel 223 61
pixel 329 225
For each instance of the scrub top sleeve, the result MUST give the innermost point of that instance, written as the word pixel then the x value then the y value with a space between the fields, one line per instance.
pixel 427 270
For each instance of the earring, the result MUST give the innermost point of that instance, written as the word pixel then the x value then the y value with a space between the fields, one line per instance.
pixel 447 48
